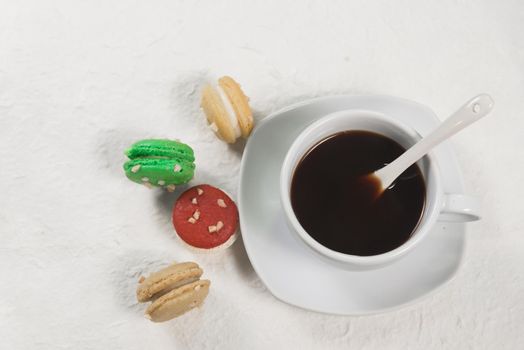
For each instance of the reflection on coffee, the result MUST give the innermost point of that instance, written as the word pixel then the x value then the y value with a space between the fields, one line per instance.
pixel 340 210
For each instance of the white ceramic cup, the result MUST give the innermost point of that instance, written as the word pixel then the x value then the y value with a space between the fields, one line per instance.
pixel 438 206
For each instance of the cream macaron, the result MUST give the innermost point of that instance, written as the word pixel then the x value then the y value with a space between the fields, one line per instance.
pixel 227 110
pixel 173 291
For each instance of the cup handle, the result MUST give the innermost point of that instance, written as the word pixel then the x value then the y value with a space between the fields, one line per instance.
pixel 459 208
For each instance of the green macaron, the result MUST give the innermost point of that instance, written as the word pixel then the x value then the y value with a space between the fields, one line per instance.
pixel 161 163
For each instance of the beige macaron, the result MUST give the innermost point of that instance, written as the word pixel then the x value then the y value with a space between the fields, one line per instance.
pixel 227 109
pixel 178 301
pixel 167 279
pixel 173 291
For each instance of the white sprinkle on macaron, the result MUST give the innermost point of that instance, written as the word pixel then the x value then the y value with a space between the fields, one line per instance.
pixel 135 168
pixel 177 168
pixel 212 228
pixel 221 203
pixel 196 214
pixel 220 224
pixel 200 191
pixel 161 182
pixel 171 188
pixel 194 201
pixel 213 127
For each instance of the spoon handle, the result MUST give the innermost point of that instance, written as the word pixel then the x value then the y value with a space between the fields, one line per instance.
pixel 476 108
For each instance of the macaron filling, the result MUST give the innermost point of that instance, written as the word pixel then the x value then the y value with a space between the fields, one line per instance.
pixel 233 120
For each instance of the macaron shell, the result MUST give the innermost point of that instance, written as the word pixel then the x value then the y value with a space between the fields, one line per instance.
pixel 161 148
pixel 171 277
pixel 159 171
pixel 197 233
pixel 216 113
pixel 221 247
pixel 178 301
pixel 240 103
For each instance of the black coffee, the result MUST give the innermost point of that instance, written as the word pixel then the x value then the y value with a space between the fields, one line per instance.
pixel 340 209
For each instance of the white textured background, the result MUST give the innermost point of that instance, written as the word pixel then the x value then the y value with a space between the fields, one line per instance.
pixel 81 80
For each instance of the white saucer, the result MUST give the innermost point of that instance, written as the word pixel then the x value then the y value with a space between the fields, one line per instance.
pixel 289 269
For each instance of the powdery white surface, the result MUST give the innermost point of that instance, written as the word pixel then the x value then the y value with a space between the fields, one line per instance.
pixel 80 81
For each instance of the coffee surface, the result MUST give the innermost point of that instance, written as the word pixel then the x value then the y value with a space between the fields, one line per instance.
pixel 338 205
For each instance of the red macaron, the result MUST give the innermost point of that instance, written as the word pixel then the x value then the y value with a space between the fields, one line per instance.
pixel 206 218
